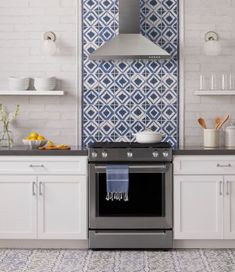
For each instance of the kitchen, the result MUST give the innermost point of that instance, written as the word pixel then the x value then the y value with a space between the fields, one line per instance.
pixel 100 101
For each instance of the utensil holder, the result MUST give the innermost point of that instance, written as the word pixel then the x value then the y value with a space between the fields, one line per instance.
pixel 211 137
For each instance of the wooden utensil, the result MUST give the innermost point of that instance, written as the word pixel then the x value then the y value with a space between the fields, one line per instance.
pixel 202 122
pixel 218 120
pixel 56 147
pixel 222 122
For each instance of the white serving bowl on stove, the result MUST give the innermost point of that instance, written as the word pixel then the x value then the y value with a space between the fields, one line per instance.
pixel 148 137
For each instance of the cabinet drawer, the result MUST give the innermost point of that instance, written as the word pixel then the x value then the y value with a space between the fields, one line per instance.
pixel 184 165
pixel 43 165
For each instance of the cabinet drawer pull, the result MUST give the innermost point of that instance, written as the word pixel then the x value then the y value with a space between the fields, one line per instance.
pixel 34 188
pixel 224 165
pixel 227 187
pixel 221 188
pixel 40 188
pixel 36 165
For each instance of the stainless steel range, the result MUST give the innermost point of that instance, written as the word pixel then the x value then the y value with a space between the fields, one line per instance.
pixel 145 220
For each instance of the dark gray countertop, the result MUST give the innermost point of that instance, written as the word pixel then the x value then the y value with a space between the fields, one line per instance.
pixel 25 151
pixel 79 151
pixel 200 150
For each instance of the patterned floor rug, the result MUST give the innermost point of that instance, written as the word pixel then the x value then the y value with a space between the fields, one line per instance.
pixel 117 261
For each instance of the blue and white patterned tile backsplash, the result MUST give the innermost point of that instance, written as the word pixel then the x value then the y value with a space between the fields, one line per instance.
pixel 123 97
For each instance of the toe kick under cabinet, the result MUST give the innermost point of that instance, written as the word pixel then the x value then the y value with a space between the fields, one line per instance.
pixel 43 197
pixel 204 197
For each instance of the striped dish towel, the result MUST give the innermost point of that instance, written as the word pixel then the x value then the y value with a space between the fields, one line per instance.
pixel 117 182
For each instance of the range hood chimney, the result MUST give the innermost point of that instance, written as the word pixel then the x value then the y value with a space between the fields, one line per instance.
pixel 129 43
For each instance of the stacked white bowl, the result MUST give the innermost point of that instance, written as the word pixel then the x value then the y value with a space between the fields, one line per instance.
pixel 45 83
pixel 18 83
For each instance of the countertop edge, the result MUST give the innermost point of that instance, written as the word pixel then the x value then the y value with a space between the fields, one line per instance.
pixel 43 153
pixel 84 152
pixel 198 152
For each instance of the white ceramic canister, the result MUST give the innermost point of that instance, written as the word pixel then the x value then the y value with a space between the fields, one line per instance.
pixel 230 136
pixel 211 137
pixel 18 83
pixel 45 83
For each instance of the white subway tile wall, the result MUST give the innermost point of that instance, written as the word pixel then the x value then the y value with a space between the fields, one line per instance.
pixel 201 17
pixel 22 24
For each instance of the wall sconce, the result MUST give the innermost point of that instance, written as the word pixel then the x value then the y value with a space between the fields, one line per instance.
pixel 49 45
pixel 212 46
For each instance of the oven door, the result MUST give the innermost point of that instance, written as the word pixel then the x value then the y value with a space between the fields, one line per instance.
pixel 150 199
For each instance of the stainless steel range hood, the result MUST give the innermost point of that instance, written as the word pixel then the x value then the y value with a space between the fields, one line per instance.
pixel 129 43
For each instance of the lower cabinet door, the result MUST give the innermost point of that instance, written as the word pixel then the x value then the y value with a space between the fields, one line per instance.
pixel 229 207
pixel 198 207
pixel 18 207
pixel 62 207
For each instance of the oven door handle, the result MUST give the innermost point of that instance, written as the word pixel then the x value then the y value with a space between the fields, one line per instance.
pixel 162 167
pixel 138 167
pixel 118 233
pixel 148 167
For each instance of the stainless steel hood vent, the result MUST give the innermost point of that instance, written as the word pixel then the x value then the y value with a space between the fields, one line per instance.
pixel 129 43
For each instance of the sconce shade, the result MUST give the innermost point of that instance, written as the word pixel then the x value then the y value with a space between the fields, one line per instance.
pixel 49 44
pixel 49 47
pixel 212 45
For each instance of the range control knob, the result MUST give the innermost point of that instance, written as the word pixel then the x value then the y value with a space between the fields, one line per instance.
pixel 104 154
pixel 165 154
pixel 155 154
pixel 94 154
pixel 129 154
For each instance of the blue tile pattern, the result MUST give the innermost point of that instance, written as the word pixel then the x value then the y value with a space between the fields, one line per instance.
pixel 122 97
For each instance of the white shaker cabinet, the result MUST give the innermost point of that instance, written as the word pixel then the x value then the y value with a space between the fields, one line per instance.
pixel 204 197
pixel 198 202
pixel 43 197
pixel 62 212
pixel 18 207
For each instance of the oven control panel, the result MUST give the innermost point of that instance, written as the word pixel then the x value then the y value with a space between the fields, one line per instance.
pixel 130 154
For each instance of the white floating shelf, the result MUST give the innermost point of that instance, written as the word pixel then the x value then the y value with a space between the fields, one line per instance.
pixel 29 92
pixel 215 92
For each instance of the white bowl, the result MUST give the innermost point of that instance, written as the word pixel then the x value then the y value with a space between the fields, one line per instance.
pixel 18 83
pixel 148 136
pixel 45 83
pixel 34 143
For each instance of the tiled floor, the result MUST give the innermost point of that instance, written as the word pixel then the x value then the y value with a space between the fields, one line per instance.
pixel 117 261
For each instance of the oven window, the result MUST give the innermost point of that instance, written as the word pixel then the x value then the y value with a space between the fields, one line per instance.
pixel 146 196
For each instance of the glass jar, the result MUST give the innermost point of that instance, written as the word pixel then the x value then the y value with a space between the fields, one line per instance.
pixel 213 79
pixel 231 81
pixel 224 81
pixel 202 82
pixel 6 138
pixel 230 136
